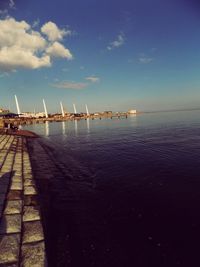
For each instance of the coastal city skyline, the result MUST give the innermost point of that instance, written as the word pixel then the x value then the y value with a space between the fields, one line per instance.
pixel 111 56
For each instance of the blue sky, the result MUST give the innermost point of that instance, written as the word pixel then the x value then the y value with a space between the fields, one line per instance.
pixel 112 55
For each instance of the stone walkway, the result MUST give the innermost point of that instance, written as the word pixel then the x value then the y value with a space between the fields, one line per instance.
pixel 21 232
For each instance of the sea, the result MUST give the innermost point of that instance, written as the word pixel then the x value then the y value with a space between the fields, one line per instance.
pixel 136 195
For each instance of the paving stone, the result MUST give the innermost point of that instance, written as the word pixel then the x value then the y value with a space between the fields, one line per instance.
pixel 28 182
pixel 18 162
pixel 10 224
pixel 18 173
pixel 27 167
pixel 14 195
pixel 33 232
pixel 27 172
pixel 17 169
pixel 6 169
pixel 13 207
pixel 9 249
pixel 31 213
pixel 28 176
pixel 17 179
pixel 33 255
pixel 31 200
pixel 30 190
pixel 16 186
pixel 18 158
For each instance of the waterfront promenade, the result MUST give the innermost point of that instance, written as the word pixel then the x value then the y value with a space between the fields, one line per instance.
pixel 21 231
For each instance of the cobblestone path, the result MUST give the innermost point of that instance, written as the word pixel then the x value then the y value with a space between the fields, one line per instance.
pixel 21 231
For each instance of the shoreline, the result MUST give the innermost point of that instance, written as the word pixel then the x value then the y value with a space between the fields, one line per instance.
pixel 28 121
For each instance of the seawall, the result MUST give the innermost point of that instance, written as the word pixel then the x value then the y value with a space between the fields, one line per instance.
pixel 22 241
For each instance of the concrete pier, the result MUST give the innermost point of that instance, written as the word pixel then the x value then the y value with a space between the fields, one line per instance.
pixel 21 231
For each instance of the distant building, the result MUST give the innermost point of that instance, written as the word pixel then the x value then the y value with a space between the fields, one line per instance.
pixel 33 115
pixel 40 115
pixel 107 112
pixel 4 110
pixel 132 111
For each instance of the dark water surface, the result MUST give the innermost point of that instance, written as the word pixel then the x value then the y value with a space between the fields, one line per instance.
pixel 134 191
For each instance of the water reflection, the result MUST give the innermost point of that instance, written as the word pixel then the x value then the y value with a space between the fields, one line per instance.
pixel 133 118
pixel 46 128
pixel 132 123
pixel 63 128
pixel 88 125
pixel 76 126
pixel 132 115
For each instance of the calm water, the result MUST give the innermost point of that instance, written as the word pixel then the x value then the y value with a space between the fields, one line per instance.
pixel 136 194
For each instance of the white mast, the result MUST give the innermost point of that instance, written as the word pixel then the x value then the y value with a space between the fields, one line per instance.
pixel 17 105
pixel 62 110
pixel 74 109
pixel 45 109
pixel 87 111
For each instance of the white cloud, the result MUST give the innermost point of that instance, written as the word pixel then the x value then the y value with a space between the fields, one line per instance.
pixel 117 43
pixel 22 47
pixel 75 85
pixel 70 85
pixel 19 34
pixel 93 79
pixel 15 57
pixel 145 60
pixel 53 33
pixel 58 50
